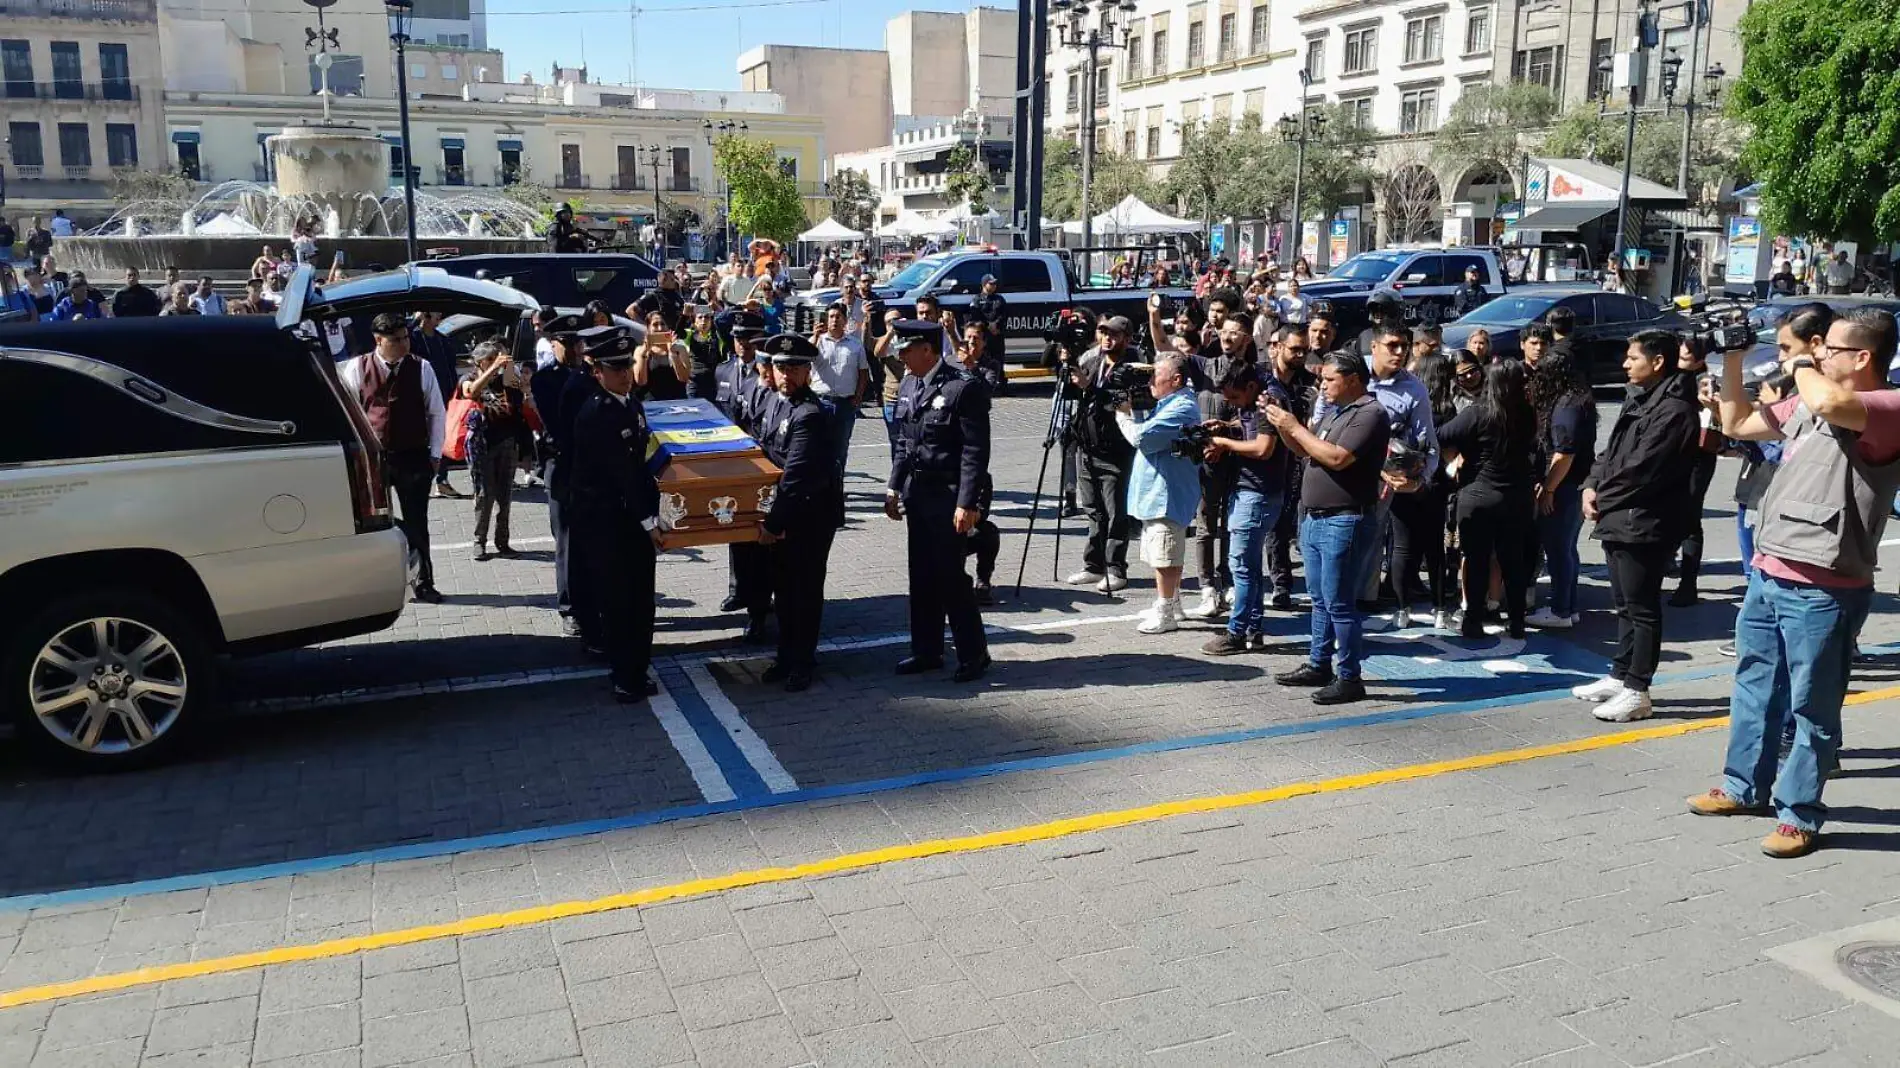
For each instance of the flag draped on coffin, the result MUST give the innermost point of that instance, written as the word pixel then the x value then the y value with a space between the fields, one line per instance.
pixel 683 428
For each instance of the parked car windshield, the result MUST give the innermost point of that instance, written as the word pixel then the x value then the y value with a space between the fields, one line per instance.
pixel 1367 267
pixel 1508 311
pixel 915 274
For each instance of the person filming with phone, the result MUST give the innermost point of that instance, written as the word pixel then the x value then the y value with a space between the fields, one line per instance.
pixel 663 365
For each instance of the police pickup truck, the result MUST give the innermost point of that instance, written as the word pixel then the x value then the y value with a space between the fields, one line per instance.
pixel 1036 286
pixel 1425 279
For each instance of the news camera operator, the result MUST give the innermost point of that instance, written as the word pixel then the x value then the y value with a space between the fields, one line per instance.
pixel 1103 380
pixel 1164 487
pixel 1233 348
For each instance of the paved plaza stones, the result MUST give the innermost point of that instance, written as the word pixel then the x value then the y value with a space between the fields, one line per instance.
pixel 1559 909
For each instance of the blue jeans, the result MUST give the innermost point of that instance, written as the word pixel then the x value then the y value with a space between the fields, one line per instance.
pixel 1251 516
pixel 1794 647
pixel 847 415
pixel 890 428
pixel 1335 551
pixel 1558 533
pixel 1745 537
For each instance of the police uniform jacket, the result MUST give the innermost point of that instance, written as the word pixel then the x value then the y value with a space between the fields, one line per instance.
pixel 992 311
pixel 559 392
pixel 609 480
pixel 943 435
pixel 810 494
pixel 732 381
pixel 763 408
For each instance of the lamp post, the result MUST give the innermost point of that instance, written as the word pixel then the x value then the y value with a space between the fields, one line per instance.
pixel 1075 30
pixel 1298 132
pixel 401 17
pixel 715 131
pixel 654 154
pixel 1644 41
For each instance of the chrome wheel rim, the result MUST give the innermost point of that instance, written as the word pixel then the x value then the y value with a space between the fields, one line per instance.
pixel 107 685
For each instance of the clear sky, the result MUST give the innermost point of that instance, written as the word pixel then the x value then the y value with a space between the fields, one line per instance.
pixel 683 44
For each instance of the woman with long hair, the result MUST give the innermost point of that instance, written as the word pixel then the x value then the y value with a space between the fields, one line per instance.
pixel 1566 414
pixel 1418 519
pixel 663 365
pixel 1495 441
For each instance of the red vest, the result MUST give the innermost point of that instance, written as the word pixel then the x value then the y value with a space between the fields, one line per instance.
pixel 397 409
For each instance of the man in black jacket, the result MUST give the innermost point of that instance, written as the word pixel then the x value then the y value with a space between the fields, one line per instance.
pixel 1100 381
pixel 1471 295
pixel 1635 494
pixel 807 509
pixel 552 388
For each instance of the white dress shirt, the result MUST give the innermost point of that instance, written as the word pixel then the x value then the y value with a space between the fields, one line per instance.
pixel 835 372
pixel 350 371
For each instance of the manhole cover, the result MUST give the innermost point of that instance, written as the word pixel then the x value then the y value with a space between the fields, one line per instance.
pixel 1874 965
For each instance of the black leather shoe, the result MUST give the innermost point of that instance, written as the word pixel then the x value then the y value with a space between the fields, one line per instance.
pixel 1305 675
pixel 1684 597
pixel 628 697
pixel 756 632
pixel 506 552
pixel 652 687
pixel 732 603
pixel 775 673
pixel 971 671
pixel 1340 692
pixel 798 682
pixel 1281 602
pixel 428 595
pixel 915 665
pixel 985 594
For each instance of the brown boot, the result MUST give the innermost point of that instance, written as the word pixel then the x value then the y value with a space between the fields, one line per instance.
pixel 1718 803
pixel 1788 842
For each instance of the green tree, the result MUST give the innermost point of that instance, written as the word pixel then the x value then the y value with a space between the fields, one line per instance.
pixel 765 199
pixel 853 201
pixel 1485 125
pixel 1225 170
pixel 1821 94
pixel 532 195
pixel 1115 177
pixel 967 179
pixel 1338 163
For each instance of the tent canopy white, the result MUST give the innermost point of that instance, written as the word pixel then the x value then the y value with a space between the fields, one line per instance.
pixel 910 223
pixel 961 214
pixel 1132 216
pixel 225 224
pixel 831 230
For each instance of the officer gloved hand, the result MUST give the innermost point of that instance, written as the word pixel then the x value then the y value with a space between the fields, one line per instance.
pixel 892 507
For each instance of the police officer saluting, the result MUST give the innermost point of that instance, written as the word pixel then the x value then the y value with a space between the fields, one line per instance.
pixel 550 386
pixel 937 481
pixel 615 506
pixel 806 511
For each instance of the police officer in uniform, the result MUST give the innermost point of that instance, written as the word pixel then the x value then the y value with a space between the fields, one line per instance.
pixel 806 511
pixel 990 309
pixel 615 505
pixel 937 483
pixel 739 394
pixel 550 386
pixel 563 235
pixel 1382 307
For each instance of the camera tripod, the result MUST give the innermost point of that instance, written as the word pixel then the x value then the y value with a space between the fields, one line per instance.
pixel 1056 434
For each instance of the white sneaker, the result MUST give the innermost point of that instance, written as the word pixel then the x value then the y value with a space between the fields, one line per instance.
pixel 1445 620
pixel 1601 690
pixel 1401 619
pixel 1165 616
pixel 1110 583
pixel 1083 578
pixel 1545 619
pixel 1208 607
pixel 1625 707
pixel 1227 599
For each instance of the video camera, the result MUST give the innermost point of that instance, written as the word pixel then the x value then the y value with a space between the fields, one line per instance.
pixel 1192 444
pixel 1716 326
pixel 1070 334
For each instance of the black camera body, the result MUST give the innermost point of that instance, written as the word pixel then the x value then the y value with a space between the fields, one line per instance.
pixel 1192 444
pixel 1718 326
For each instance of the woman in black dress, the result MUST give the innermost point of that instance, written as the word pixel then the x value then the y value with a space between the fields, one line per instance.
pixel 1496 439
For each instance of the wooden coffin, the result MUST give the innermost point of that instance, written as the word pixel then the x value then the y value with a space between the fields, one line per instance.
pixel 715 483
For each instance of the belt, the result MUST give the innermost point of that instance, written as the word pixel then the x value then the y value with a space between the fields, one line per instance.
pixel 1328 513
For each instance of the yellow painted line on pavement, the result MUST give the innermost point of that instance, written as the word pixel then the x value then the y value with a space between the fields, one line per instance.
pixel 1037 832
pixel 1870 696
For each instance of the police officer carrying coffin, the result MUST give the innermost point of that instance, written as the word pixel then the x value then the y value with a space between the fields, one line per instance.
pixel 807 508
pixel 740 393
pixel 615 506
pixel 937 481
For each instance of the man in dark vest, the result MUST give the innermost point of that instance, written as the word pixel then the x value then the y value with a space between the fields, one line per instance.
pixel 404 405
pixel 615 506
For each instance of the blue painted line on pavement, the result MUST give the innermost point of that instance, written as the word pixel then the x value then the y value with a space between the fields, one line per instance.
pixel 761 798
pixel 740 774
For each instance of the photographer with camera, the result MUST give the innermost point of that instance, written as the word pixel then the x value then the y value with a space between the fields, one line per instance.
pixel 1288 378
pixel 1100 382
pixel 1164 486
pixel 1258 497
pixel 1234 348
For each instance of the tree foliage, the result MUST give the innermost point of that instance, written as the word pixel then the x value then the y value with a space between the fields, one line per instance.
pixel 1226 170
pixel 164 192
pixel 1115 177
pixel 1338 163
pixel 853 201
pixel 532 195
pixel 1485 126
pixel 967 179
pixel 1821 94
pixel 1414 204
pixel 765 199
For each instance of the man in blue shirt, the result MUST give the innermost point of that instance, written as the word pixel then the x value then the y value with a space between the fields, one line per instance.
pixel 80 302
pixel 1163 488
pixel 1413 447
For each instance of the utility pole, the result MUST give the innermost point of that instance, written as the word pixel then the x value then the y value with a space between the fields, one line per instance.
pixel 1698 19
pixel 1633 66
pixel 1038 112
pixel 659 224
pixel 1108 31
pixel 1019 146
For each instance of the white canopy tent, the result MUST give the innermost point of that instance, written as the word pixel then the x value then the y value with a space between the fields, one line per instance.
pixel 831 230
pixel 225 224
pixel 1132 217
pixel 910 223
pixel 961 214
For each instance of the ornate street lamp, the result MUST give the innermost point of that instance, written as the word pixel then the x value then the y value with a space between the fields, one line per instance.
pixel 1107 30
pixel 402 15
pixel 715 131
pixel 1299 131
pixel 1671 74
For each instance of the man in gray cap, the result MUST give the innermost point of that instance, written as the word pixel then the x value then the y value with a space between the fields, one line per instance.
pixel 937 484
pixel 616 512
pixel 806 511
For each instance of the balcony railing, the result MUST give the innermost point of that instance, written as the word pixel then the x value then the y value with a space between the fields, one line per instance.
pixel 629 182
pixel 28 172
pixel 682 183
pixel 451 176
pixel 77 172
pixel 107 10
pixel 95 92
pixel 572 181
pixel 814 189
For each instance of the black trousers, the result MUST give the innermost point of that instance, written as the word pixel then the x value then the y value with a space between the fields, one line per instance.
pixel 939 587
pixel 1493 527
pixel 1280 541
pixel 1210 533
pixel 749 576
pixel 409 476
pixel 985 542
pixel 798 563
pixel 1418 535
pixel 1636 580
pixel 1102 492
pixel 1699 478
pixel 618 558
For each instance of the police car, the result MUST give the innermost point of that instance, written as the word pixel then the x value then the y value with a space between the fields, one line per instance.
pixel 1426 279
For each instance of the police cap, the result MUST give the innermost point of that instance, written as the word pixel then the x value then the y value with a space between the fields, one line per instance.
pixel 748 324
pixel 789 350
pixel 610 345
pixel 907 331
pixel 564 326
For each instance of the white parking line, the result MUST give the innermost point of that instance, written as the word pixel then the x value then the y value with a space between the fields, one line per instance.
pixel 753 747
pixel 706 774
